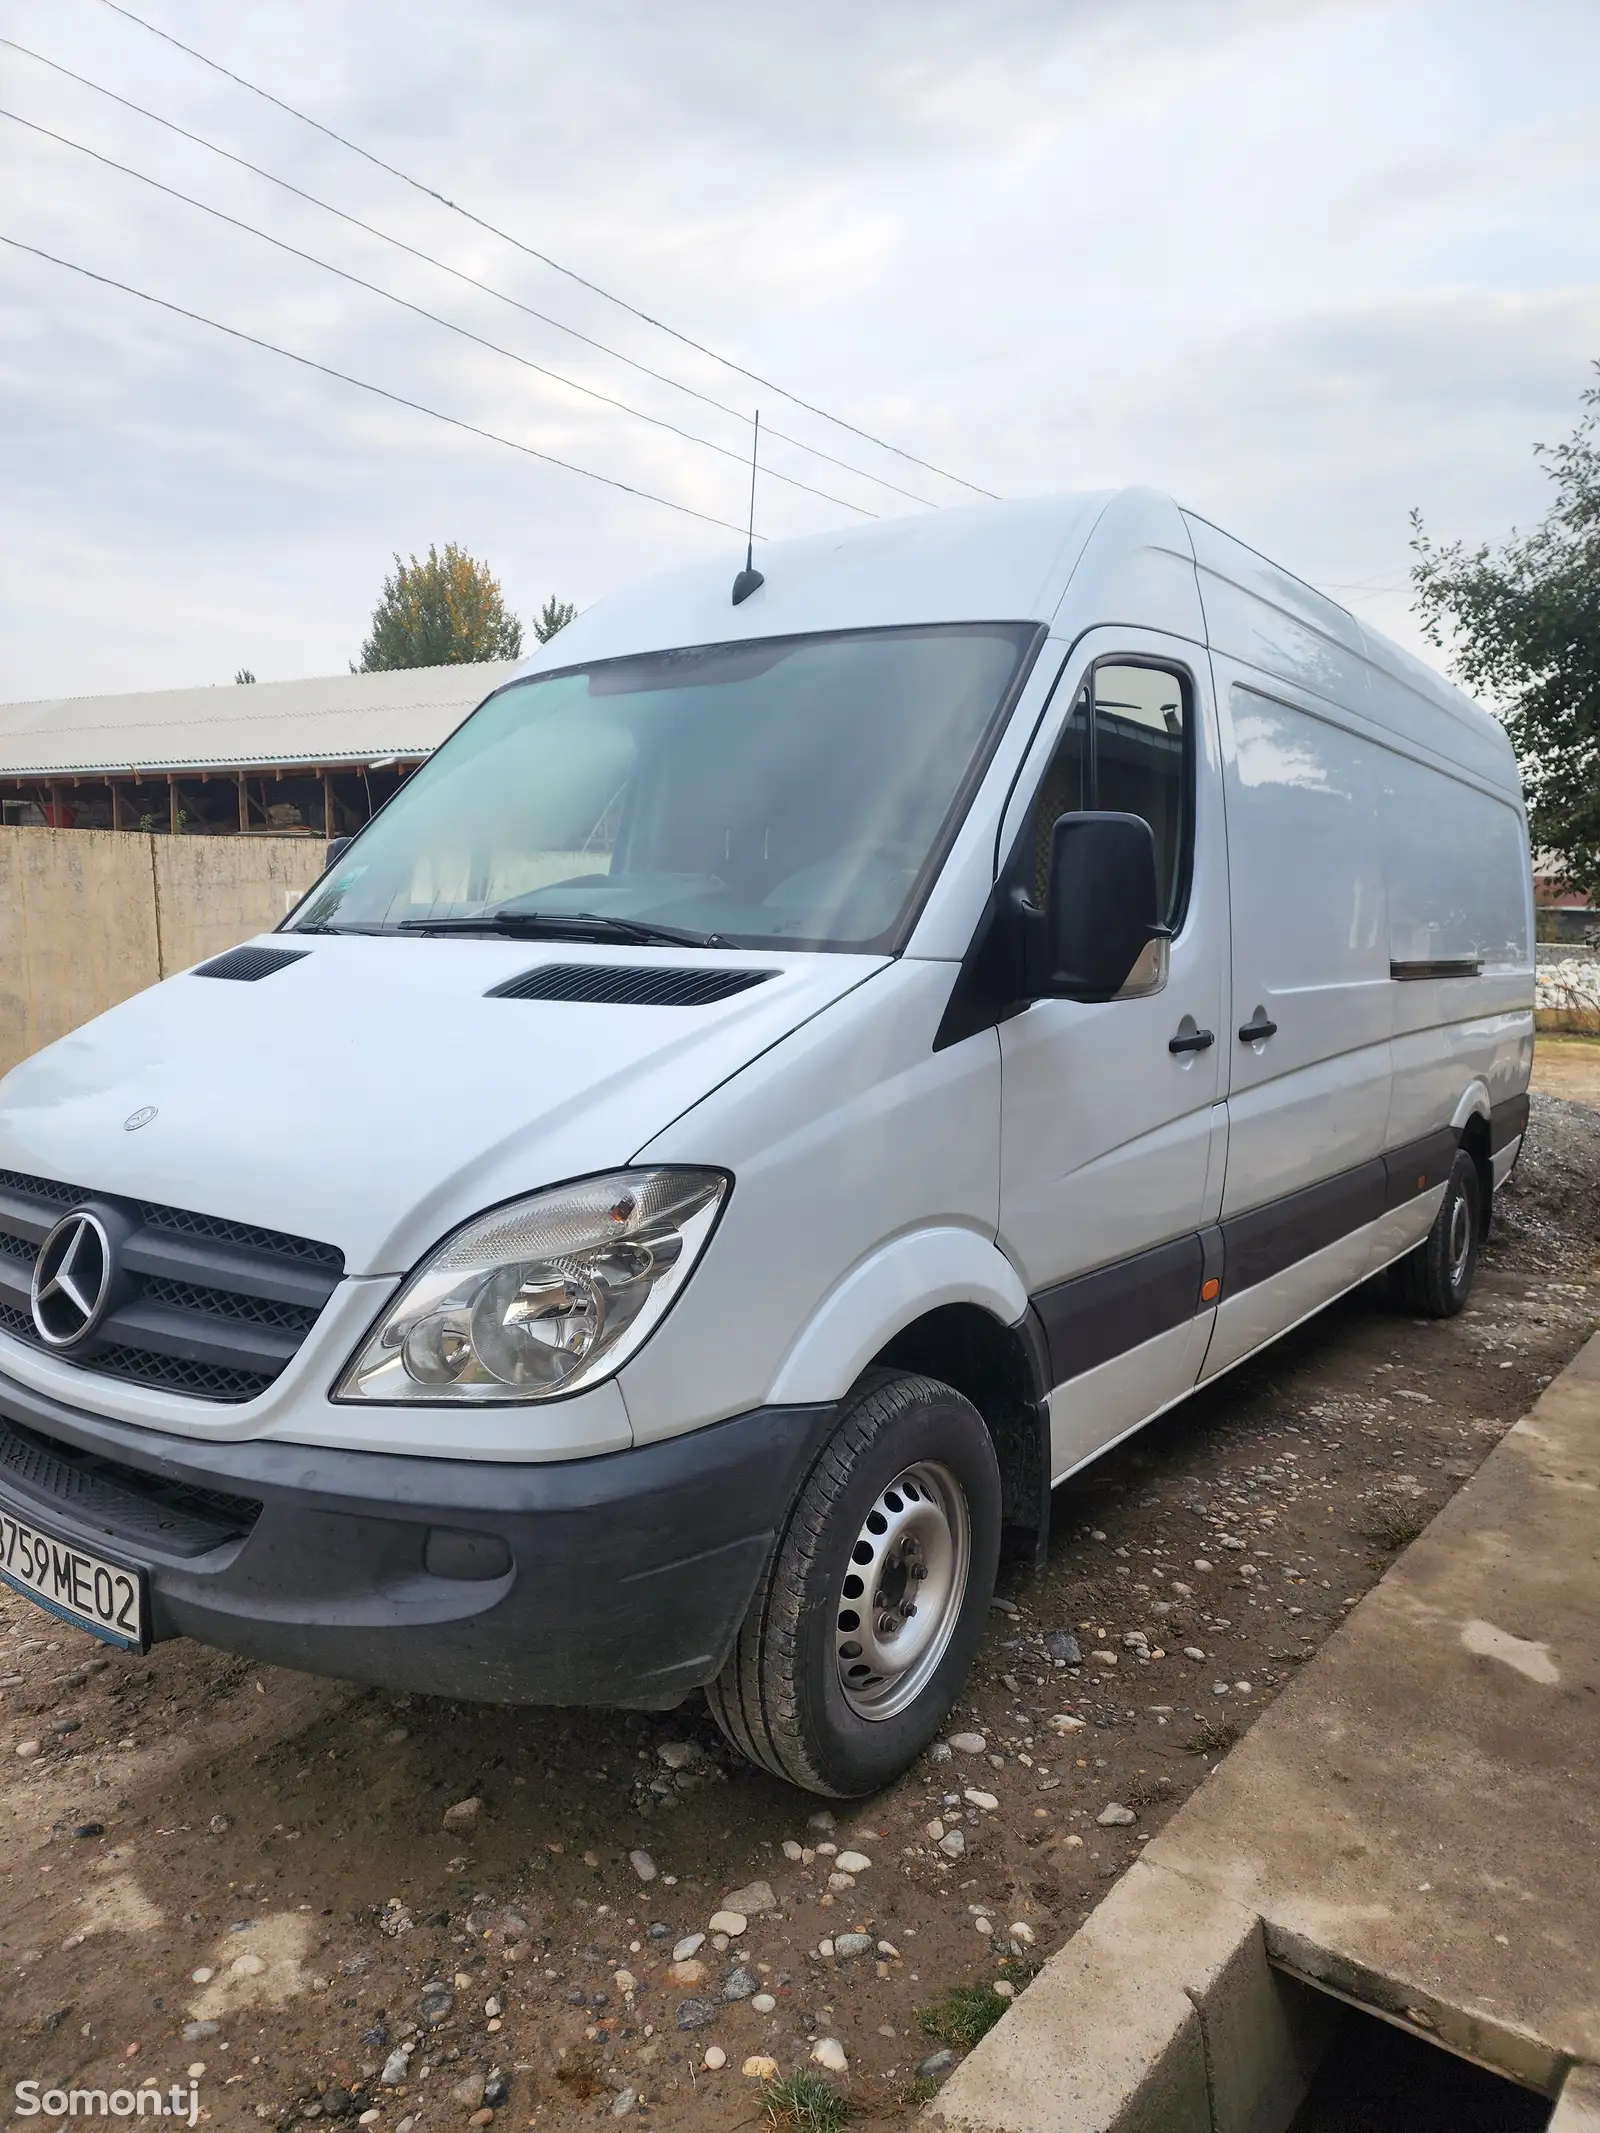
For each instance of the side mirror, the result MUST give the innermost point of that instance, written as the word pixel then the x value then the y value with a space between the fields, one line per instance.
pixel 337 847
pixel 1103 930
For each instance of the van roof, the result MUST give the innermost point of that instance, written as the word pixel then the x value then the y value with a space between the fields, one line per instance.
pixel 1129 555
pixel 980 562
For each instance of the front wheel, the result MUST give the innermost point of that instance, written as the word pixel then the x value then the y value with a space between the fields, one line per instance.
pixel 1435 1280
pixel 871 1607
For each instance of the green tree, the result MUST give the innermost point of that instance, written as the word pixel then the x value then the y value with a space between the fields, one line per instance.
pixel 1521 624
pixel 445 610
pixel 553 616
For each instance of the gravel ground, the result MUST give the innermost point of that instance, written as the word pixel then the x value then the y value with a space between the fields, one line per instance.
pixel 335 1901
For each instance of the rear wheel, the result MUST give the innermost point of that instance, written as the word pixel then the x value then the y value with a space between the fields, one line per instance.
pixel 872 1605
pixel 1435 1280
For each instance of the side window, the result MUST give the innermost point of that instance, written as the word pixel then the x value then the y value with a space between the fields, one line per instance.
pixel 1125 748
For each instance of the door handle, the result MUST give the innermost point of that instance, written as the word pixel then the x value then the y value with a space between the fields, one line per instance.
pixel 1257 1032
pixel 1195 1040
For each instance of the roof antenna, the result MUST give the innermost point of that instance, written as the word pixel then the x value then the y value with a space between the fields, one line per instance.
pixel 750 579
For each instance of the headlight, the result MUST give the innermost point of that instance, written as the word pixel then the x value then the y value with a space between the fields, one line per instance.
pixel 544 1296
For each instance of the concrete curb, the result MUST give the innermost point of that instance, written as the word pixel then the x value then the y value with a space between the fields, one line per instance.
pixel 1161 2015
pixel 1578 2108
pixel 1428 1779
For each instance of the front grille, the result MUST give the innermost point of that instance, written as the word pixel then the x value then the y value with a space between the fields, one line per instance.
pixel 216 1309
pixel 182 1223
pixel 119 1500
pixel 249 1310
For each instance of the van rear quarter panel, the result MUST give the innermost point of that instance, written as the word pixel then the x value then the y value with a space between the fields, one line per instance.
pixel 1459 890
pixel 1375 819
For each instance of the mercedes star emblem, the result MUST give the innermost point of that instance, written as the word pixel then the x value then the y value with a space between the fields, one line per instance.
pixel 71 1279
pixel 136 1119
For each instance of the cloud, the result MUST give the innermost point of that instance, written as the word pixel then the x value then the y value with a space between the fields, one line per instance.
pixel 1305 264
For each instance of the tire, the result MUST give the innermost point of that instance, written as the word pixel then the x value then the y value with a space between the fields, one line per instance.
pixel 1435 1280
pixel 791 1698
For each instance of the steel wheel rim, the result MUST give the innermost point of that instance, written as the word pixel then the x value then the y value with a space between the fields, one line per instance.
pixel 902 1591
pixel 1460 1242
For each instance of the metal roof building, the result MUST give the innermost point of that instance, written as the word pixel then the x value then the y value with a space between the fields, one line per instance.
pixel 287 757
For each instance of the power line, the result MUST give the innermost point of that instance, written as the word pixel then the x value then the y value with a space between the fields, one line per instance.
pixel 544 258
pixel 466 333
pixel 382 392
pixel 472 281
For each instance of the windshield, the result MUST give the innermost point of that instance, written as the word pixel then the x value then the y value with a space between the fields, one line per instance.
pixel 794 791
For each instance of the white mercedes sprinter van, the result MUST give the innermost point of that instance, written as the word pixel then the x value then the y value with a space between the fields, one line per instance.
pixel 793 1078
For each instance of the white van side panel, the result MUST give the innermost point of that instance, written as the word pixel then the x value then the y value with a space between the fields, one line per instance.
pixel 1382 919
pixel 1261 1314
pixel 1310 945
pixel 1093 1411
pixel 1248 1321
pixel 1460 891
pixel 1453 857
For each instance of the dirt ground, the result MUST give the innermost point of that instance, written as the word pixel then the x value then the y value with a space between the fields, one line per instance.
pixel 280 1882
pixel 1568 1066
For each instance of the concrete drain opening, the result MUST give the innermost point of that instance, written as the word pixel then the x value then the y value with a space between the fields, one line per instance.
pixel 1378 2078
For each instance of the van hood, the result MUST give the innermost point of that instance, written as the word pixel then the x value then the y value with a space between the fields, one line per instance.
pixel 371 1096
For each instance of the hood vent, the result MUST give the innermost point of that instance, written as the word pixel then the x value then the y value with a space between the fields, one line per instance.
pixel 248 964
pixel 628 985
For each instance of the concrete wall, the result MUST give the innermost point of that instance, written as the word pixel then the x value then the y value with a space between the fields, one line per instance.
pixel 89 916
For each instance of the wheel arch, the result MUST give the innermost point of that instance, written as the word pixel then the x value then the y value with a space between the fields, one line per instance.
pixel 946 1303
pixel 1003 1371
pixel 1471 1124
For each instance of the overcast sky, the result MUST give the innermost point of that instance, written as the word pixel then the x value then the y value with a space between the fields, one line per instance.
pixel 1305 263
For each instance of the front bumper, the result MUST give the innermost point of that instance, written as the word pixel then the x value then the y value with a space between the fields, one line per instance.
pixel 619 1579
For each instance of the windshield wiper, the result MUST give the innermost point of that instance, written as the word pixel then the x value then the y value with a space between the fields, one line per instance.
pixel 570 925
pixel 333 929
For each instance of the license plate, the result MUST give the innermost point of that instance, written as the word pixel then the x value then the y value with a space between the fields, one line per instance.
pixel 108 1599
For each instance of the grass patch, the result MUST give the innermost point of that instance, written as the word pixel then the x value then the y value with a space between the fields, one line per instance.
pixel 966 2013
pixel 802 2102
pixel 921 2090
